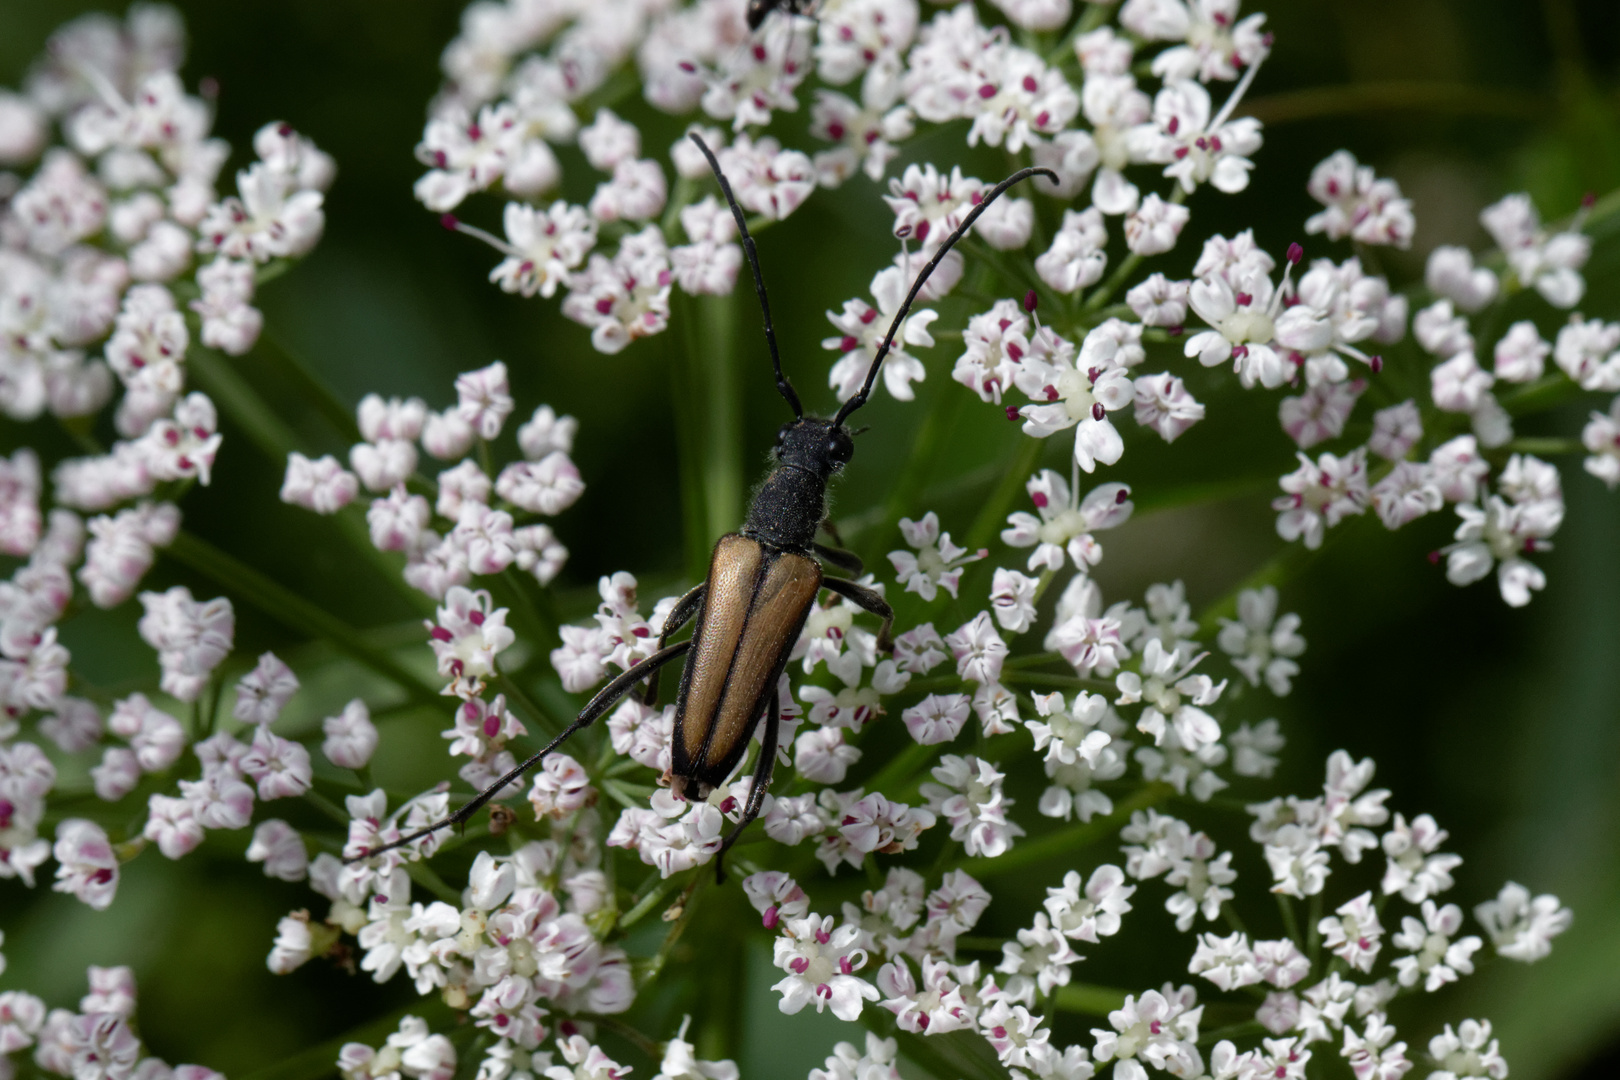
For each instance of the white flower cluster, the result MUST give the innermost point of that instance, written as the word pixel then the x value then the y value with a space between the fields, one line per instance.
pixel 516 80
pixel 98 1042
pixel 119 262
pixel 535 944
pixel 481 514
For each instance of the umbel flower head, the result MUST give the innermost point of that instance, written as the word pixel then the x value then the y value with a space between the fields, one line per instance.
pixel 1096 308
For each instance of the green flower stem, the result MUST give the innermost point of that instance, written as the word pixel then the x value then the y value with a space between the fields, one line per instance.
pixel 524 594
pixel 318 1061
pixel 937 422
pixel 1122 273
pixel 427 877
pixel 1313 936
pixel 685 379
pixel 1091 18
pixel 1022 275
pixel 962 1054
pixel 1282 566
pixel 901 769
pixel 327 806
pixel 1089 1000
pixel 1546 447
pixel 1247 1029
pixel 987 526
pixel 311 387
pixel 722 460
pixel 1066 841
pixel 1424 97
pixel 1543 394
pixel 237 399
pixel 684 907
pixel 654 896
pixel 1290 920
pixel 519 696
pixel 649 1046
pixel 1065 682
pixel 293 611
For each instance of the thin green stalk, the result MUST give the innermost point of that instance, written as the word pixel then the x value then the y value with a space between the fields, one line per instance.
pixel 1290 921
pixel 427 877
pixel 1313 936
pixel 1287 563
pixel 993 515
pixel 238 400
pixel 520 697
pixel 292 610
pixel 1092 17
pixel 213 372
pixel 1089 1000
pixel 687 904
pixel 722 456
pixel 654 897
pixel 940 419
pixel 685 395
pixel 1426 96
pixel 1232 1031
pixel 326 806
pixel 318 1061
pixel 900 769
pixel 312 386
pixel 1546 447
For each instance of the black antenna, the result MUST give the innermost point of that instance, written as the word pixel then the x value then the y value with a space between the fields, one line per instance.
pixel 922 279
pixel 782 385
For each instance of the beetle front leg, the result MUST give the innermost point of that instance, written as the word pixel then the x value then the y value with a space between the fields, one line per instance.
pixel 601 703
pixel 867 600
pixel 757 789
pixel 678 616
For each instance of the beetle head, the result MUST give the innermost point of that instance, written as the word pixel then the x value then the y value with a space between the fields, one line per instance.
pixel 814 444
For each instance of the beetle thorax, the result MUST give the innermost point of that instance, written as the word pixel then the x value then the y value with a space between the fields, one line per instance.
pixel 791 503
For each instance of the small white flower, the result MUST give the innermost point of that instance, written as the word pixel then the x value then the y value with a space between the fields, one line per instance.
pixel 1354 933
pixel 821 960
pixel 1469 1053
pixel 1263 646
pixel 1435 959
pixel 1522 927
pixel 937 564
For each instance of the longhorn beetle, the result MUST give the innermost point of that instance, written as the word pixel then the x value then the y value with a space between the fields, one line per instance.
pixel 762 582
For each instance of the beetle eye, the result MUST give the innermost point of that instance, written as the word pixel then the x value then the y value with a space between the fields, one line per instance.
pixel 840 448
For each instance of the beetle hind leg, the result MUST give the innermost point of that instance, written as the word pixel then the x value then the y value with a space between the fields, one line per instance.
pixel 756 790
pixel 678 616
pixel 605 698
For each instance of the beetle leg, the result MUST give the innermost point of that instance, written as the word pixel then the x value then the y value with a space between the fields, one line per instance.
pixel 868 600
pixel 678 616
pixel 601 703
pixel 756 790
pixel 847 561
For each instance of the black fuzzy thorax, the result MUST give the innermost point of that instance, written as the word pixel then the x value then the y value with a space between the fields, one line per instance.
pixel 792 502
pixel 787 509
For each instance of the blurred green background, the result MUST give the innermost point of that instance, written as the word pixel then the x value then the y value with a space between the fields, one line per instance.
pixel 1503 724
